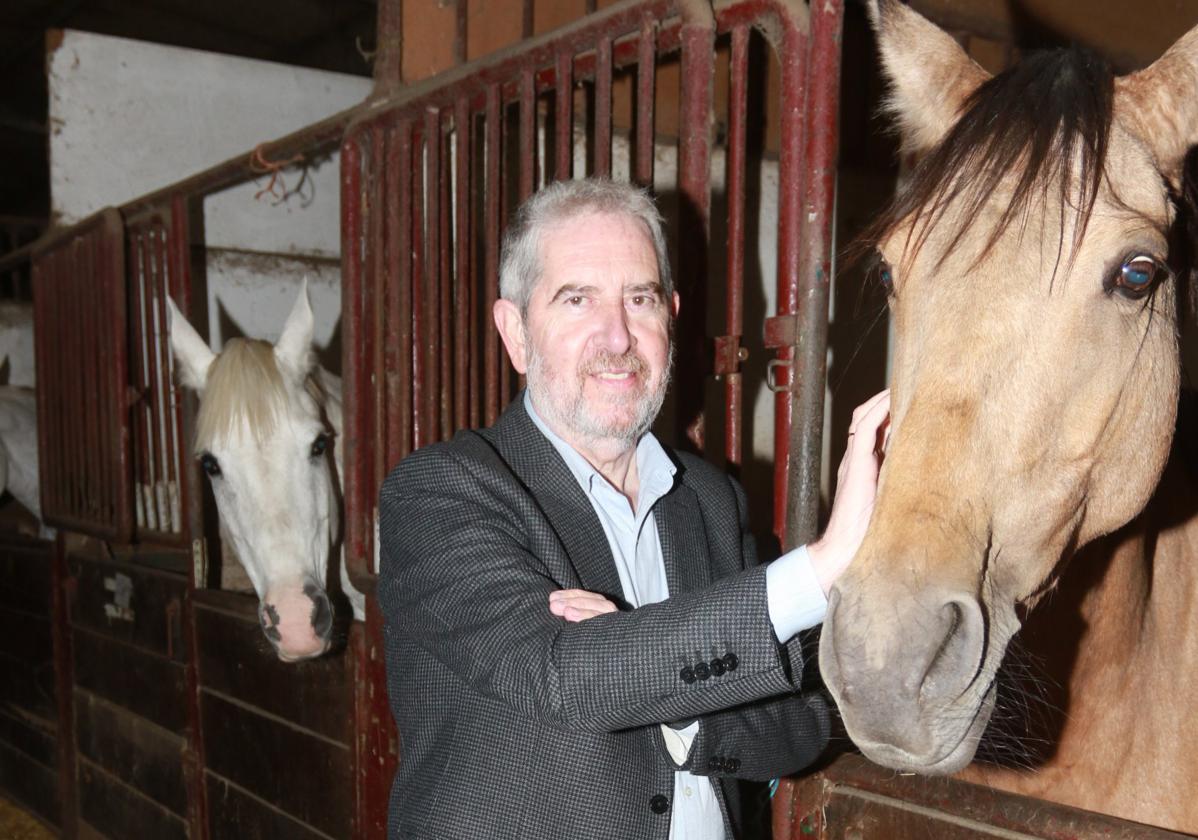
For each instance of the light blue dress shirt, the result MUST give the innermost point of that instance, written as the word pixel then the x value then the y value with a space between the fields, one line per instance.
pixel 796 601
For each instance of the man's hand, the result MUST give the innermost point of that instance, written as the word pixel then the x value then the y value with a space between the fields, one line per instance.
pixel 856 488
pixel 578 604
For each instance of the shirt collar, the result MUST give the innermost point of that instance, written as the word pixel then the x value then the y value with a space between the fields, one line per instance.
pixel 655 469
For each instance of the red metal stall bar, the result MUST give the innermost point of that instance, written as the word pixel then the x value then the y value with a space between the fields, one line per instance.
pixel 80 316
pixel 507 77
pixel 807 185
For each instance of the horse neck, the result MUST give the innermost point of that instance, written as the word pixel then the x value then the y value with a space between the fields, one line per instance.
pixel 1139 587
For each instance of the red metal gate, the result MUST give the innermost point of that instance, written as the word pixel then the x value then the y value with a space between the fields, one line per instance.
pixel 430 175
pixel 83 428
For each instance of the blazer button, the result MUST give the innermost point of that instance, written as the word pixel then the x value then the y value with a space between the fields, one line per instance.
pixel 717 667
pixel 702 671
pixel 730 661
pixel 659 804
pixel 715 763
pixel 687 675
pixel 732 765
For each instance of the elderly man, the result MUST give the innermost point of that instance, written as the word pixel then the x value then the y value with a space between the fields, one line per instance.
pixel 580 643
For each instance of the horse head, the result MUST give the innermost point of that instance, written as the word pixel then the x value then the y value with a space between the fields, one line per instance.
pixel 1035 369
pixel 264 434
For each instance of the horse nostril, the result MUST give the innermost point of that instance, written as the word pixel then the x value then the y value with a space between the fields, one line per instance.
pixel 955 662
pixel 322 611
pixel 268 616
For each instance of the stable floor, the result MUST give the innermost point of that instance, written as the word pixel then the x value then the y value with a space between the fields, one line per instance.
pixel 17 824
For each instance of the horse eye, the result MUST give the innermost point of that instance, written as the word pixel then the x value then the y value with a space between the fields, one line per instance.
pixel 210 464
pixel 884 273
pixel 1136 277
pixel 320 445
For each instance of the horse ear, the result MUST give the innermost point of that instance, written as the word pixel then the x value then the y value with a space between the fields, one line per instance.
pixel 930 75
pixel 192 354
pixel 1158 105
pixel 294 348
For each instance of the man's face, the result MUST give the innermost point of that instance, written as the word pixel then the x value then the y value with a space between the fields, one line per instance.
pixel 595 344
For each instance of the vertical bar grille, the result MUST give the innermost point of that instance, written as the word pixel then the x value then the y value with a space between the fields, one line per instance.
pixel 83 433
pixel 438 172
pixel 157 266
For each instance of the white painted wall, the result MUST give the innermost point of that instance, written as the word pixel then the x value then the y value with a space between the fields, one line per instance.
pixel 130 117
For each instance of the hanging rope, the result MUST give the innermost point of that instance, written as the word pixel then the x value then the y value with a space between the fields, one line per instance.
pixel 261 166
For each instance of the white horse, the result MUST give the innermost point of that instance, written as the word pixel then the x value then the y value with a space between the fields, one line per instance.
pixel 16 342
pixel 265 432
pixel 18 450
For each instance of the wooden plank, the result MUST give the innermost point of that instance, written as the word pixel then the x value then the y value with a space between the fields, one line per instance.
pixel 26 665
pixel 131 603
pixel 851 814
pixel 852 798
pixel 235 660
pixel 142 755
pixel 25 576
pixel 35 737
pixel 300 773
pixel 117 811
pixel 150 686
pixel 235 814
pixel 29 782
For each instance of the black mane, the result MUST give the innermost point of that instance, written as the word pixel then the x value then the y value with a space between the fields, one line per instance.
pixel 1031 120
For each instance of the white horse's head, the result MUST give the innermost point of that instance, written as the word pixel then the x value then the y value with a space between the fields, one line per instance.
pixel 265 439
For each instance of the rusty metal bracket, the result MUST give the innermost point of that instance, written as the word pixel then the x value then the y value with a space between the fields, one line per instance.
pixel 728 355
pixel 771 377
pixel 781 331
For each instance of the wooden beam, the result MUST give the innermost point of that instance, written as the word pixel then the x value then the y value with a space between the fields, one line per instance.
pixel 1130 35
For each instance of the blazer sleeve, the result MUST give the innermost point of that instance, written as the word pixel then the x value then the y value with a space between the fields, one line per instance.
pixel 767 738
pixel 459 579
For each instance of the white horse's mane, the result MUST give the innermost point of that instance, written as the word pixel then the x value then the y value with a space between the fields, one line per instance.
pixel 245 388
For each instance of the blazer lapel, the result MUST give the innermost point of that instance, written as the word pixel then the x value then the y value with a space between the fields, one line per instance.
pixel 683 540
pixel 569 512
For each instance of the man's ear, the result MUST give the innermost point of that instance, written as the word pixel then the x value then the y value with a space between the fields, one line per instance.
pixel 675 305
pixel 510 324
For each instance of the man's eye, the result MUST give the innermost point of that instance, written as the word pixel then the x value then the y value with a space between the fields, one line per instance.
pixel 574 300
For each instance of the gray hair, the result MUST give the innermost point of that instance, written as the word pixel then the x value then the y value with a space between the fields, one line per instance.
pixel 520 261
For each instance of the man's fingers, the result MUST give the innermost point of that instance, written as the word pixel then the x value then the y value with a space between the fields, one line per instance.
pixel 578 604
pixel 868 419
pixel 869 406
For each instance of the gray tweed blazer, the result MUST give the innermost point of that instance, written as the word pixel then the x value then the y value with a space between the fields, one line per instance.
pixel 516 725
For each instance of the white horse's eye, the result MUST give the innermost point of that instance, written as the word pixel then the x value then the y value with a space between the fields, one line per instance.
pixel 210 464
pixel 320 445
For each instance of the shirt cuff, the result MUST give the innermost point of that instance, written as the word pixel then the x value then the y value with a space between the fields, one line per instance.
pixel 796 600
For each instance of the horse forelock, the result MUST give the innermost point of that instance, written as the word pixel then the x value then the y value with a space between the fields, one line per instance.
pixel 1038 131
pixel 245 389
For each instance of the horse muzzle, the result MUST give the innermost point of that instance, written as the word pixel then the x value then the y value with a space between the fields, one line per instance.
pixel 297 620
pixel 905 669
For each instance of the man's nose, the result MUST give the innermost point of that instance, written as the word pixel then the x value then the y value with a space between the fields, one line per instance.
pixel 614 331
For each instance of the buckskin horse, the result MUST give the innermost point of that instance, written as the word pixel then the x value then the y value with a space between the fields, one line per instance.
pixel 1035 391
